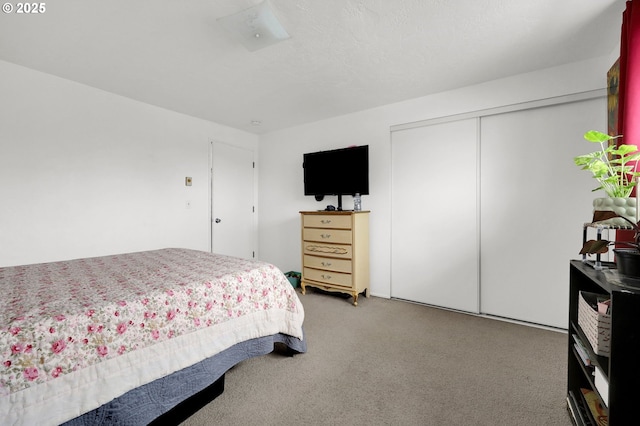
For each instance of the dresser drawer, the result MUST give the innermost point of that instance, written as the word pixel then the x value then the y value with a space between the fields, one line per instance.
pixel 340 236
pixel 327 263
pixel 327 221
pixel 333 250
pixel 329 277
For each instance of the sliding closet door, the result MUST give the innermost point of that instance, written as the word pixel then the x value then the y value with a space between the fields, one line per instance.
pixel 533 204
pixel 434 252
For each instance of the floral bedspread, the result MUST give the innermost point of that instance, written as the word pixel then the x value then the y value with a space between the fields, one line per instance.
pixel 59 318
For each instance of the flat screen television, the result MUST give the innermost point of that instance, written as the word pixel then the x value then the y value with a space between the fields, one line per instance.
pixel 337 172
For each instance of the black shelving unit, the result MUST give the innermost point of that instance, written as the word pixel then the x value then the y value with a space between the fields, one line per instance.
pixel 621 368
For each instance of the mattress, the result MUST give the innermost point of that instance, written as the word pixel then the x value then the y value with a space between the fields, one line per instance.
pixel 76 334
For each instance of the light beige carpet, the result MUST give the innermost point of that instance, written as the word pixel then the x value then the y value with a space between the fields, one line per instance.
pixel 388 362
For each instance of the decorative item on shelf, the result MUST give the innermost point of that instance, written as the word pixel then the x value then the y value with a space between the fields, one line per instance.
pixel 626 208
pixel 611 166
pixel 614 169
pixel 597 410
pixel 627 259
pixel 595 325
pixel 357 203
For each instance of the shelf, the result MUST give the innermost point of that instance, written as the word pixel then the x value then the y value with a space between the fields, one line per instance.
pixel 599 360
pixel 588 373
pixel 607 280
pixel 577 410
pixel 620 368
pixel 599 225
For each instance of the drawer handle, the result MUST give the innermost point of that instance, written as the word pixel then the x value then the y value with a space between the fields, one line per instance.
pixel 325 249
pixel 326 263
pixel 326 277
pixel 325 235
pixel 326 221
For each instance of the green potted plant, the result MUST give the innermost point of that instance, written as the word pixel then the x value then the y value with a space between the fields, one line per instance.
pixel 627 259
pixel 614 169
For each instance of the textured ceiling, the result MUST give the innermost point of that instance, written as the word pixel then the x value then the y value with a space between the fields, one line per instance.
pixel 343 55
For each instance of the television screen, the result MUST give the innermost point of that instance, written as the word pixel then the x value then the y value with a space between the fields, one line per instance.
pixel 337 172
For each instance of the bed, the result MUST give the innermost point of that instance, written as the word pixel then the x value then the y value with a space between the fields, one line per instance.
pixel 125 338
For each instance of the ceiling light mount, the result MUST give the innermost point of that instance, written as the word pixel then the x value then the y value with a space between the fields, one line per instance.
pixel 256 27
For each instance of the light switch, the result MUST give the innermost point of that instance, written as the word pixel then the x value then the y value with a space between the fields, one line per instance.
pixel 188 181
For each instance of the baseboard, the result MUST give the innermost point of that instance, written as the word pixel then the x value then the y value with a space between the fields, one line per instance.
pixel 488 316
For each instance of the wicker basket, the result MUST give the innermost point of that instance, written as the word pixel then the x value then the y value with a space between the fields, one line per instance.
pixel 596 326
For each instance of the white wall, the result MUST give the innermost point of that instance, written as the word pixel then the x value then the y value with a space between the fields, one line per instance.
pixel 85 173
pixel 281 190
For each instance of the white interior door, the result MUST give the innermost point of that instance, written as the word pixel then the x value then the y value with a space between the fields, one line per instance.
pixel 232 199
pixel 434 241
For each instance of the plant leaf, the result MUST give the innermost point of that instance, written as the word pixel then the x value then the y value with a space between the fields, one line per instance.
pixel 596 136
pixel 633 157
pixel 595 246
pixel 599 215
pixel 624 149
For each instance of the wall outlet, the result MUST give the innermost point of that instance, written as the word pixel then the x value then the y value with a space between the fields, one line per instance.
pixel 187 204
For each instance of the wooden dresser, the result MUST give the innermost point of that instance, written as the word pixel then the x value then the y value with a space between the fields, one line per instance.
pixel 335 251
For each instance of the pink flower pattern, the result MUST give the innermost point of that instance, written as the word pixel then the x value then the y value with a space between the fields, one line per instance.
pixel 81 312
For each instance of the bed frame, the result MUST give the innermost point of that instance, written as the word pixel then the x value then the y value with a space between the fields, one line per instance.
pixel 174 398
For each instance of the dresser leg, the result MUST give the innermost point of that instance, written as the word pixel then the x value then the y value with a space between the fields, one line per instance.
pixel 355 299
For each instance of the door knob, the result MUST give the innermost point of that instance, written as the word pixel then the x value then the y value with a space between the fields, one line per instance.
pixel 218 220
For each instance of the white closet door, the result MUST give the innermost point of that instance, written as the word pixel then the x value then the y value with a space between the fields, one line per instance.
pixel 434 252
pixel 534 202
